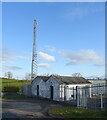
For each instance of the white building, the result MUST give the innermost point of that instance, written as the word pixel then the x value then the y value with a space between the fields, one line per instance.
pixel 57 87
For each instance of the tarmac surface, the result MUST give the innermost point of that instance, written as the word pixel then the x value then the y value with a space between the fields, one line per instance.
pixel 28 108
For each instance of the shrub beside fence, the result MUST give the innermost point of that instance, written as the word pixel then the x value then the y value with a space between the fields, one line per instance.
pixel 10 89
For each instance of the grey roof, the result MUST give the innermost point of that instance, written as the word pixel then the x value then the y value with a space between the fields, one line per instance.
pixel 71 80
pixel 44 78
pixel 66 79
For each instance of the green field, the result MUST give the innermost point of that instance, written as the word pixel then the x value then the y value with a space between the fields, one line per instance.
pixel 13 82
pixel 73 112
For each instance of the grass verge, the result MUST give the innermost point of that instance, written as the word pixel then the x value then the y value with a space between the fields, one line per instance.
pixel 73 112
pixel 4 82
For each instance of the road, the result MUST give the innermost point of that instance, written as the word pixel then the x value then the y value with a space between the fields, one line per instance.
pixel 28 108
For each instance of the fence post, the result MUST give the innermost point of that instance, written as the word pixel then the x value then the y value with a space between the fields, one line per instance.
pixel 64 93
pixel 61 90
pixel 77 97
pixel 76 92
pixel 73 93
pixel 86 96
pixel 90 91
pixel 101 101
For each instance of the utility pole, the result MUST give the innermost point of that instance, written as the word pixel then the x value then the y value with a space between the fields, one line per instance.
pixel 34 55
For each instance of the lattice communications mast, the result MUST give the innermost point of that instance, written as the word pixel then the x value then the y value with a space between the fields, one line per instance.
pixel 34 55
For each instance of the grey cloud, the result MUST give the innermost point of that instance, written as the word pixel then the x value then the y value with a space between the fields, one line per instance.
pixel 6 55
pixel 45 65
pixel 11 68
pixel 51 48
pixel 46 57
pixel 77 12
pixel 101 64
pixel 80 57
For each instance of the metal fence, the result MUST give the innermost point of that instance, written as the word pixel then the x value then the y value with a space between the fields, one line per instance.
pixel 92 97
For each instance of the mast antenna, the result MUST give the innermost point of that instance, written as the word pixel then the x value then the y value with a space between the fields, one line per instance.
pixel 34 54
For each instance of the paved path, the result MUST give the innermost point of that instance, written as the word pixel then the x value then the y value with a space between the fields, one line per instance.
pixel 27 108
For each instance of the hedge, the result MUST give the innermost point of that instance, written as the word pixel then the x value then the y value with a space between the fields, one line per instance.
pixel 10 89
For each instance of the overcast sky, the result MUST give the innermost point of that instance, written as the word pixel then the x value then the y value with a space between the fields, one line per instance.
pixel 70 38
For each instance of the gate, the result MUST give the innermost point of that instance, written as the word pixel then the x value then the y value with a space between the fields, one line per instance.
pixel 83 93
pixel 93 97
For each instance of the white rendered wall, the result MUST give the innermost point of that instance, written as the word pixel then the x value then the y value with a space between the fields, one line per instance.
pixel 69 92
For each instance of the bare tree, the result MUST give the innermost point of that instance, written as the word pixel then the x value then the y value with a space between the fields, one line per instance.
pixel 47 74
pixel 9 75
pixel 56 74
pixel 28 76
pixel 76 75
pixel 98 78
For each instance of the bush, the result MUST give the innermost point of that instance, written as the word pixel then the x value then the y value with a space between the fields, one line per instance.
pixel 10 89
pixel 7 96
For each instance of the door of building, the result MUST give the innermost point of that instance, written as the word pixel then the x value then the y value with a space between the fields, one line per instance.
pixel 37 90
pixel 51 92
